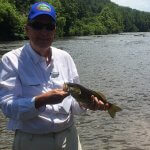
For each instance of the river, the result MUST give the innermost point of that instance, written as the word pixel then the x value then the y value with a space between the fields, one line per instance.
pixel 119 66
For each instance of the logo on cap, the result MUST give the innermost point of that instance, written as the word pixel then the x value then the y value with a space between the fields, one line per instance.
pixel 43 7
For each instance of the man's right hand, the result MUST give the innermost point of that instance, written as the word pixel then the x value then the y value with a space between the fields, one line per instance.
pixel 51 97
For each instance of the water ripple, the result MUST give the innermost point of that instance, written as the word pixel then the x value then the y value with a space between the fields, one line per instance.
pixel 118 66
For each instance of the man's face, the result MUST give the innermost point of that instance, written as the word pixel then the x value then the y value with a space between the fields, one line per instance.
pixel 41 32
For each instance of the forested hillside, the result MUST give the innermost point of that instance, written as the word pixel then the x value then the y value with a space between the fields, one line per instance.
pixel 74 17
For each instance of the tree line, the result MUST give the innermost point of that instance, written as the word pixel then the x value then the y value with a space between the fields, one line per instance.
pixel 74 17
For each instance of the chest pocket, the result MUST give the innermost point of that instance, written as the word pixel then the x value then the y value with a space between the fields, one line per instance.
pixel 31 80
pixel 32 88
pixel 56 77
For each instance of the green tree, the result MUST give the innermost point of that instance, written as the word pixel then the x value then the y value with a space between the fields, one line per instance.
pixel 11 22
pixel 69 11
pixel 74 17
pixel 111 20
pixel 129 20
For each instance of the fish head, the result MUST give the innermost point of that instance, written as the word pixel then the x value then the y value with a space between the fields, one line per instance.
pixel 72 89
pixel 66 87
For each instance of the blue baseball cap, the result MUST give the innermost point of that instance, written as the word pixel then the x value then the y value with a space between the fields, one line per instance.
pixel 41 8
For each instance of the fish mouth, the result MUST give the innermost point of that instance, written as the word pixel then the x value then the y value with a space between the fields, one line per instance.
pixel 65 87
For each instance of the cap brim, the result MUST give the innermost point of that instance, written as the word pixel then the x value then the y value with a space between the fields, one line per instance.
pixel 41 13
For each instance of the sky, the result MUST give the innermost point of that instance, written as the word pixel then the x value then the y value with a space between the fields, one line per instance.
pixel 143 5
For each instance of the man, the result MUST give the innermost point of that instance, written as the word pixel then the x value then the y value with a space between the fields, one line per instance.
pixel 31 94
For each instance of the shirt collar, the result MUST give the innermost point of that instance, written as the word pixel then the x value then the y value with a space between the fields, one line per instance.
pixel 36 57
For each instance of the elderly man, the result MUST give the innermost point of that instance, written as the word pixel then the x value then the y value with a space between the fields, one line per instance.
pixel 31 93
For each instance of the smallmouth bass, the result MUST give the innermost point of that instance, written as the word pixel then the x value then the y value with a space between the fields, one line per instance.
pixel 83 95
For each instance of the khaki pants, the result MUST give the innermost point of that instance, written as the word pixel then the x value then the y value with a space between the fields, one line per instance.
pixel 65 140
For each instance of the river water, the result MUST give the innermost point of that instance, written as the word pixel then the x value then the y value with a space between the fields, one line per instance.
pixel 119 66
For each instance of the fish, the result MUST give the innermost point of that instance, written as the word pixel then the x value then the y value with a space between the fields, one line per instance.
pixel 83 95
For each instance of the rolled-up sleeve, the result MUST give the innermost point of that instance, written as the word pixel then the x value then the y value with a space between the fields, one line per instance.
pixel 12 103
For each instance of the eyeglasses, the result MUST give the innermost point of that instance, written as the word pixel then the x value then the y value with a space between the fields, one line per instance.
pixel 40 26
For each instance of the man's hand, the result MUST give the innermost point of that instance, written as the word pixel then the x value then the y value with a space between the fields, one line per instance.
pixel 51 97
pixel 96 104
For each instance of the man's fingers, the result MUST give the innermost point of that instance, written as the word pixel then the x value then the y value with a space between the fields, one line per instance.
pixel 61 92
pixel 95 103
pixel 101 105
pixel 107 106
pixel 98 104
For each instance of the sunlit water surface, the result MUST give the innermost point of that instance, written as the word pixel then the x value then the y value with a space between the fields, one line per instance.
pixel 118 66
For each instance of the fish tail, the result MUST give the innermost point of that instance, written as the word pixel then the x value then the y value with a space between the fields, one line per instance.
pixel 113 109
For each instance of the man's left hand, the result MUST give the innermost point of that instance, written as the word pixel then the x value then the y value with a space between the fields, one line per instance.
pixel 96 104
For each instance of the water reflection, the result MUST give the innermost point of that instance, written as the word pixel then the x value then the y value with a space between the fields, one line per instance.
pixel 117 65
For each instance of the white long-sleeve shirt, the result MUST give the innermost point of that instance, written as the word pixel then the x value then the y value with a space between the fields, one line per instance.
pixel 23 75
